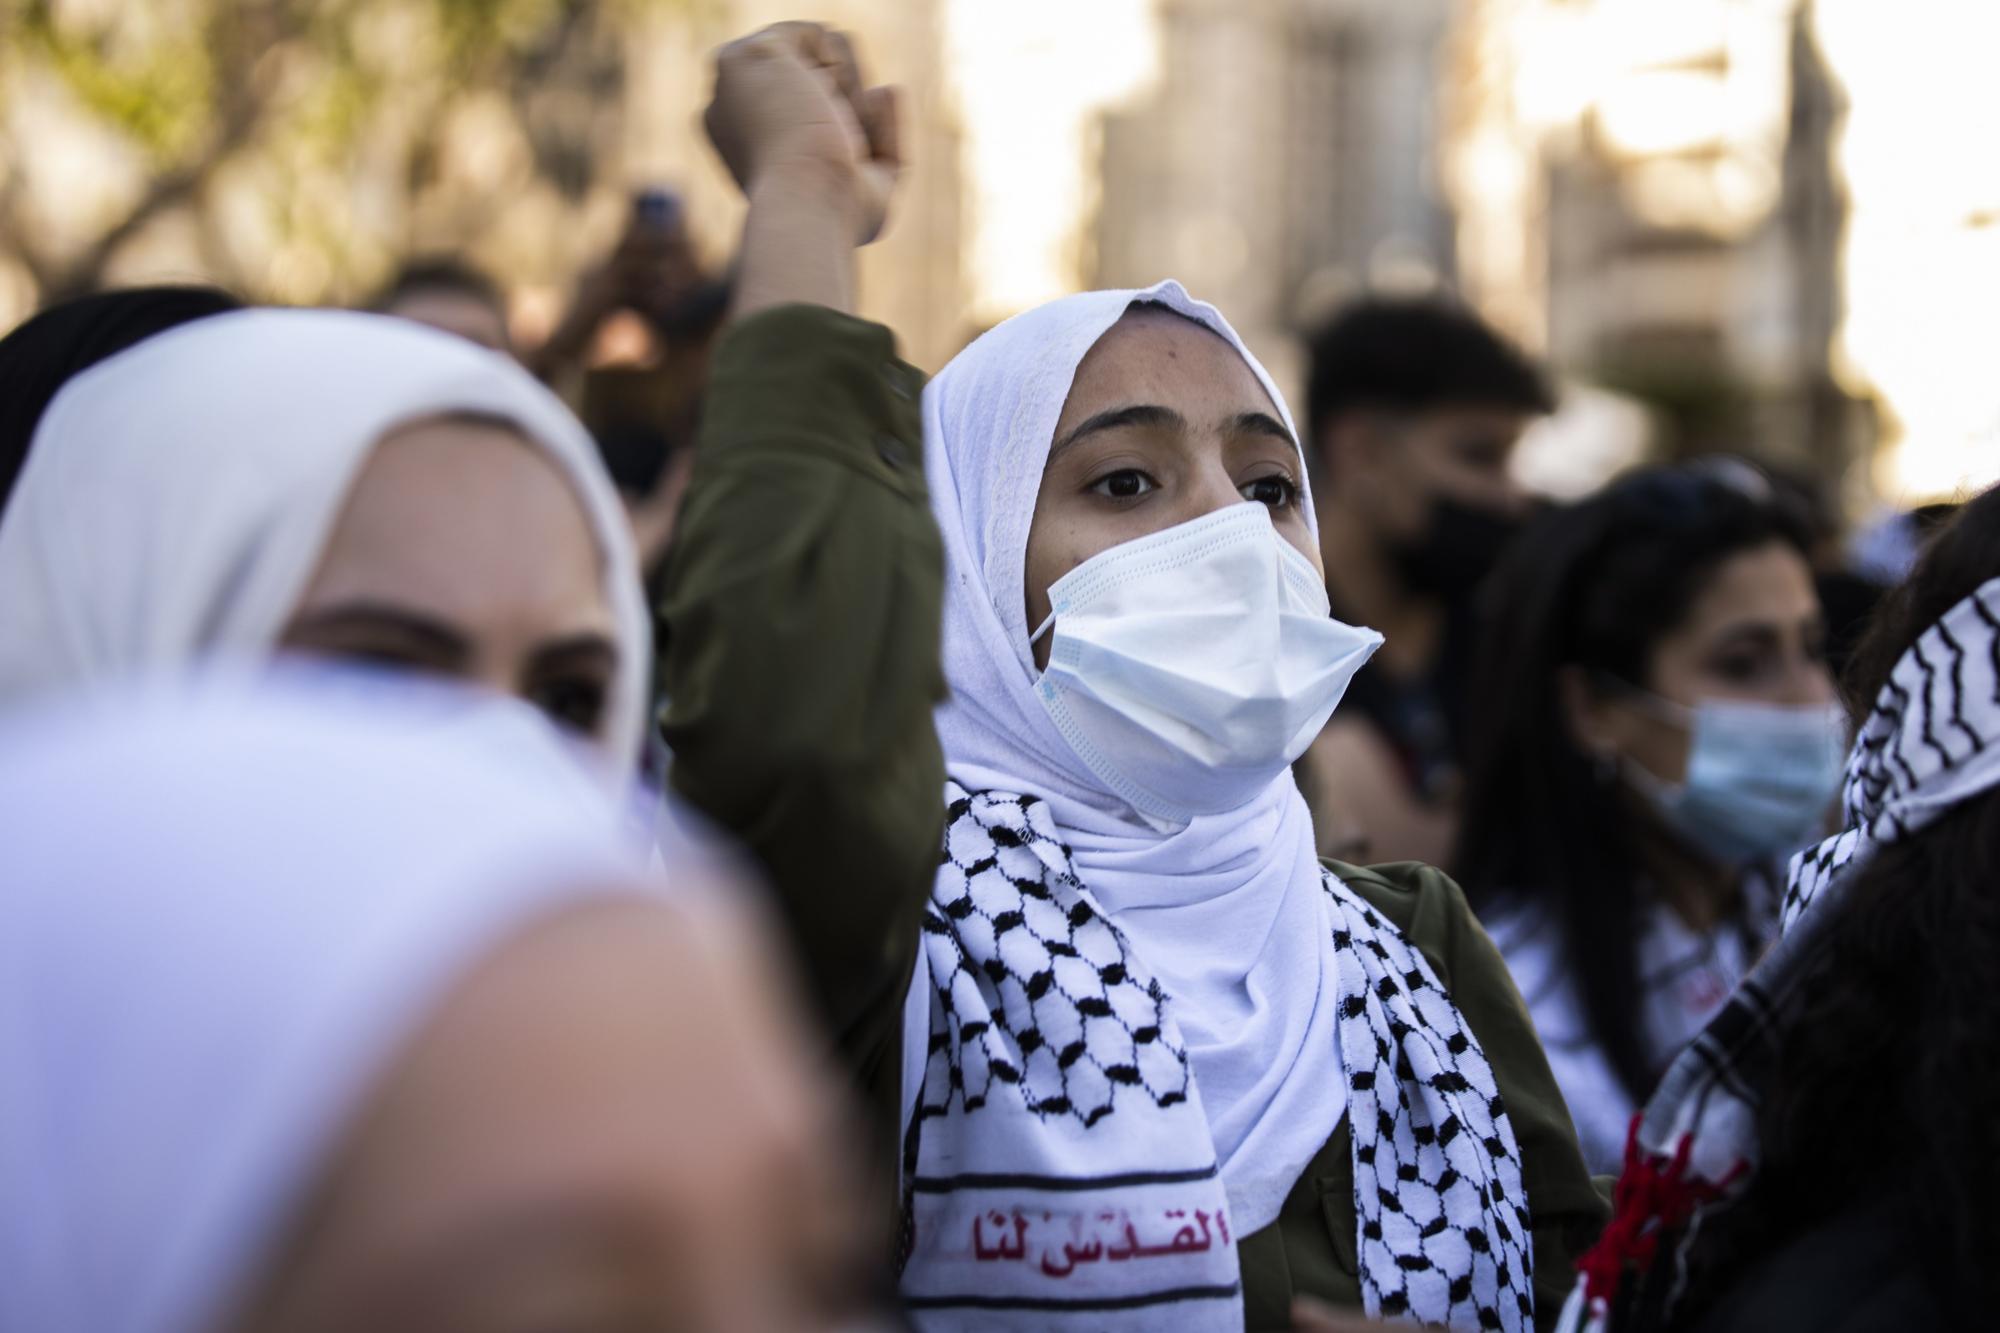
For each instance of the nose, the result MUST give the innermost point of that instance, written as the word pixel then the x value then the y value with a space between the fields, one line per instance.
pixel 1211 490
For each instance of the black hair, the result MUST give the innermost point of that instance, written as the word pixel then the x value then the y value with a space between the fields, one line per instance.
pixel 1415 355
pixel 47 351
pixel 1888 1066
pixel 1592 586
pixel 439 273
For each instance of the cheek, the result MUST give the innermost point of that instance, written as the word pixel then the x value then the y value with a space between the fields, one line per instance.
pixel 1397 498
pixel 1058 542
pixel 1661 749
pixel 1292 527
pixel 1046 562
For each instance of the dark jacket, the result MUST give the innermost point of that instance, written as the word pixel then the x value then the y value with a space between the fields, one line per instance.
pixel 1864 1270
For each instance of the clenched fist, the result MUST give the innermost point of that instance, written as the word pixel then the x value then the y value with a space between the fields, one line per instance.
pixel 789 103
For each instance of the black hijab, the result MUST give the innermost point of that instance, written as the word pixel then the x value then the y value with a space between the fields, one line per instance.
pixel 46 352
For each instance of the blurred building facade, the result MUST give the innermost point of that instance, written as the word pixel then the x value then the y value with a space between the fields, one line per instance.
pixel 1284 159
pixel 296 150
pixel 1648 191
pixel 1644 192
pixel 1652 198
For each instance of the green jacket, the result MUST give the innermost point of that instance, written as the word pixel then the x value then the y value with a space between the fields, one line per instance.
pixel 804 594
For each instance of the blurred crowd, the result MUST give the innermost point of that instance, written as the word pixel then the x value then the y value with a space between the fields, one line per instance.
pixel 689 825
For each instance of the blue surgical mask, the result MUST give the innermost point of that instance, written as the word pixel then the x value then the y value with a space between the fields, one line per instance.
pixel 1760 777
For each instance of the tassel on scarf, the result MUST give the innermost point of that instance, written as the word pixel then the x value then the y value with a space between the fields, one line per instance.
pixel 1654 1198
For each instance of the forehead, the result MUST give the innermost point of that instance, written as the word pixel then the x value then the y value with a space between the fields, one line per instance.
pixel 453 311
pixel 456 452
pixel 1153 355
pixel 459 505
pixel 1768 584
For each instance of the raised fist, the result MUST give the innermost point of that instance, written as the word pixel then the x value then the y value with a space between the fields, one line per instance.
pixel 789 101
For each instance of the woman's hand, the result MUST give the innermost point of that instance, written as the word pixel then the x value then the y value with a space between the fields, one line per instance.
pixel 790 112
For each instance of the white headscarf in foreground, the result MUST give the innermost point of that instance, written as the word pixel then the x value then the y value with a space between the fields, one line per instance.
pixel 177 497
pixel 1123 1046
pixel 221 915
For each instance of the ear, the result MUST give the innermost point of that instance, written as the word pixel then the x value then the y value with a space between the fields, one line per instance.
pixel 1587 715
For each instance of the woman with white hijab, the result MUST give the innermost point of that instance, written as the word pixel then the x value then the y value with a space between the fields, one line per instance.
pixel 333 483
pixel 341 1003
pixel 1156 1064
pixel 1139 987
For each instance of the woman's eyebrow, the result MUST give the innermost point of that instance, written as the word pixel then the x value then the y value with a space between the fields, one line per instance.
pixel 1136 414
pixel 587 648
pixel 432 637
pixel 1260 423
pixel 1746 633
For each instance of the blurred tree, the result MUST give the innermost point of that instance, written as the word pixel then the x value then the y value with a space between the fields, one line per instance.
pixel 296 148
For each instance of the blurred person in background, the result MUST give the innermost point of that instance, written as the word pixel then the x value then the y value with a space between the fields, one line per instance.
pixel 330 483
pixel 1825 1156
pixel 632 354
pixel 1886 549
pixel 335 1003
pixel 451 295
pixel 1099 1037
pixel 654 274
pixel 1655 728
pixel 1413 411
pixel 50 349
pixel 1847 595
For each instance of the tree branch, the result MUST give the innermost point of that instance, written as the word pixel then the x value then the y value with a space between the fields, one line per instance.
pixel 238 41
pixel 31 256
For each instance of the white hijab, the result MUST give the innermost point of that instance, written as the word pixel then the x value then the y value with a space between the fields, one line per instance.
pixel 1229 910
pixel 176 498
pixel 221 915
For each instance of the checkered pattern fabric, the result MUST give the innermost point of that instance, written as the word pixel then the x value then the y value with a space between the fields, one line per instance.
pixel 1931 741
pixel 1047 1033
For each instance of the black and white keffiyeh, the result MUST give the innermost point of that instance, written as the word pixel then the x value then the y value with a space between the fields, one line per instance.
pixel 1931 741
pixel 1058 1166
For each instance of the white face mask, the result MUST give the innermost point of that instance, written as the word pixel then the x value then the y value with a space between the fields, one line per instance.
pixel 1190 667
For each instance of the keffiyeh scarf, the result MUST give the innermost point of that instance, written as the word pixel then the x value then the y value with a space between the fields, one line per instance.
pixel 1058 1166
pixel 1931 741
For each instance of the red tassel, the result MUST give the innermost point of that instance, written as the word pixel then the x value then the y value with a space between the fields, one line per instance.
pixel 1654 1197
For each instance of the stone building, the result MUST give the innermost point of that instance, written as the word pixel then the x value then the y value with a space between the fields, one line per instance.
pixel 1284 158
pixel 1641 189
pixel 1656 205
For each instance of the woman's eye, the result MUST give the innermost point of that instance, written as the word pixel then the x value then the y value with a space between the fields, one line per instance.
pixel 576 704
pixel 1124 484
pixel 1741 669
pixel 1275 490
pixel 387 658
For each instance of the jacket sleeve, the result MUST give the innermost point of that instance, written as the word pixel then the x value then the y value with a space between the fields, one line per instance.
pixel 1567 1209
pixel 802 660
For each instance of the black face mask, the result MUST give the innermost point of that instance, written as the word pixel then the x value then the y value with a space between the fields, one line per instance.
pixel 1457 549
